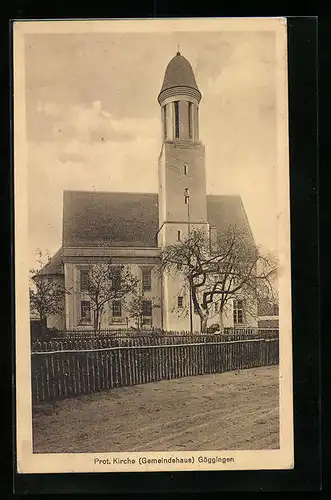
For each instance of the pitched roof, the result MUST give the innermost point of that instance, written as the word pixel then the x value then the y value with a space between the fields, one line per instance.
pixel 54 266
pixel 110 219
pixel 99 219
pixel 228 210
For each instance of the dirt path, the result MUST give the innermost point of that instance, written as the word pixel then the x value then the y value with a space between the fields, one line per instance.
pixel 220 411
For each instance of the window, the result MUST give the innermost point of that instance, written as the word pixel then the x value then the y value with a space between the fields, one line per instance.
pixel 176 107
pixel 185 169
pixel 180 302
pixel 147 308
pixel 164 122
pixel 238 312
pixel 186 195
pixel 178 235
pixel 147 312
pixel 190 120
pixel 117 308
pixel 84 280
pixel 115 278
pixel 85 311
pixel 179 266
pixel 147 279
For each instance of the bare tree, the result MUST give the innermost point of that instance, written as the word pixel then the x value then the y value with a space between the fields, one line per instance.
pixel 140 306
pixel 47 291
pixel 232 268
pixel 107 282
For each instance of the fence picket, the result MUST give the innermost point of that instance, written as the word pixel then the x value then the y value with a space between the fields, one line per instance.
pixel 78 366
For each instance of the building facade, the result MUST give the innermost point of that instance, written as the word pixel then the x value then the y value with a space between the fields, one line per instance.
pixel 131 229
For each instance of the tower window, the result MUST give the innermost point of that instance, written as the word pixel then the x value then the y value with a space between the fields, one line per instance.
pixel 180 302
pixel 176 106
pixel 185 169
pixel 190 120
pixel 164 122
pixel 179 235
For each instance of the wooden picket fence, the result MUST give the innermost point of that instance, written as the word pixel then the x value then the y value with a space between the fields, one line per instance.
pixel 66 369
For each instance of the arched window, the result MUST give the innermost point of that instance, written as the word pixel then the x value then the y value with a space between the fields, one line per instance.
pixel 185 169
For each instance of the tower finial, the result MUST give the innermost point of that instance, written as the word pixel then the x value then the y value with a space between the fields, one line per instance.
pixel 178 53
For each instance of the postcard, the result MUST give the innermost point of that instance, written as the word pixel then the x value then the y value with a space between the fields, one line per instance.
pixel 152 245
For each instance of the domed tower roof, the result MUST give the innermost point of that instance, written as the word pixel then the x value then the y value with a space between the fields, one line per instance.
pixel 179 73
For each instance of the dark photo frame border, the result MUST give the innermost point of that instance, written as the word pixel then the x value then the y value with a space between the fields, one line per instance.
pixel 302 58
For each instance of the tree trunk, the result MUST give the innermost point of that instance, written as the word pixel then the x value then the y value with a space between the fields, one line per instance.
pixel 203 322
pixel 99 318
pixel 221 321
pixel 96 319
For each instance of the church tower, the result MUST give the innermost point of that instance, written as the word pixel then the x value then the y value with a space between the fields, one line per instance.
pixel 182 178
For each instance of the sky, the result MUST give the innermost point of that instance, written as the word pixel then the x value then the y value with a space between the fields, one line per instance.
pixel 93 120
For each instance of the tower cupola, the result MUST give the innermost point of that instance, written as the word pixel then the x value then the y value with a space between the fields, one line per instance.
pixel 179 99
pixel 179 79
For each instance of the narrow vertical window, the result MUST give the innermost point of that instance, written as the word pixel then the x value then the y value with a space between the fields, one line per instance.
pixel 176 107
pixel 185 169
pixel 190 120
pixel 178 235
pixel 180 302
pixel 164 122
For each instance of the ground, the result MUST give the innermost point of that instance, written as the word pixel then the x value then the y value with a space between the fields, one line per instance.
pixel 234 410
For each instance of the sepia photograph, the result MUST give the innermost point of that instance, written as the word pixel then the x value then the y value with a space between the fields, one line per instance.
pixel 152 245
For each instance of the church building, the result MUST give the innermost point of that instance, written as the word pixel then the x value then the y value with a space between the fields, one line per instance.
pixel 132 228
